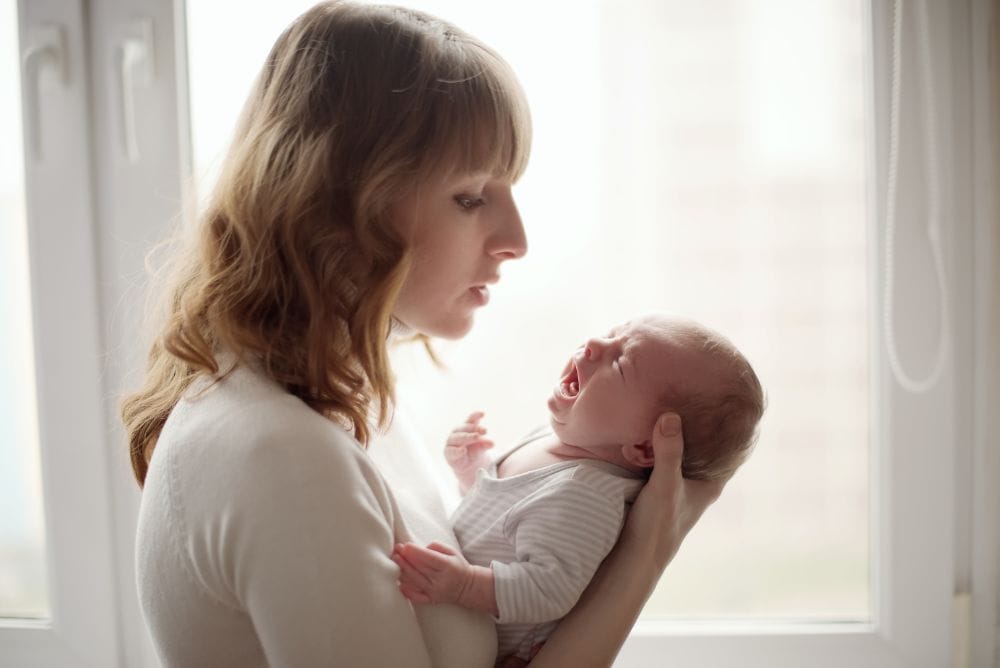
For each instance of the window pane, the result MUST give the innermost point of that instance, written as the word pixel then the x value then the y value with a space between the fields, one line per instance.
pixel 747 188
pixel 23 584
pixel 698 158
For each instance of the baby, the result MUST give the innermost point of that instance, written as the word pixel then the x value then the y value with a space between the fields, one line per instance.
pixel 534 525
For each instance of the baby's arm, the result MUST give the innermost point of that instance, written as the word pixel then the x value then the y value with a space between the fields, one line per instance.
pixel 465 451
pixel 560 539
pixel 439 574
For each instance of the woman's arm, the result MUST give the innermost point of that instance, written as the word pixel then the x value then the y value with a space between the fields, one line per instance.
pixel 662 515
pixel 309 539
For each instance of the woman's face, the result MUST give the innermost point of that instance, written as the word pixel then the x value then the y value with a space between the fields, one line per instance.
pixel 460 229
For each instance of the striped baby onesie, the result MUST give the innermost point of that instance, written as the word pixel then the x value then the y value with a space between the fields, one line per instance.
pixel 544 533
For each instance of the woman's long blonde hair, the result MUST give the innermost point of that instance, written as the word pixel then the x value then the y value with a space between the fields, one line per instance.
pixel 294 262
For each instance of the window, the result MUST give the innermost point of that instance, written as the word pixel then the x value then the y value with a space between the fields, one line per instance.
pixel 23 586
pixel 734 152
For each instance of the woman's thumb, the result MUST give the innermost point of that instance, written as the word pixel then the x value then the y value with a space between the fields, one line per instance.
pixel 668 441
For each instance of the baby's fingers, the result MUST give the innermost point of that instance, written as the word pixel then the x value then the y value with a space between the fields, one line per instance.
pixel 410 573
pixel 414 594
pixel 455 453
pixel 442 548
pixel 479 446
pixel 457 438
pixel 472 423
pixel 423 559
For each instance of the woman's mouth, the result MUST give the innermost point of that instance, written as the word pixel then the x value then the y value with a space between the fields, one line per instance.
pixel 481 294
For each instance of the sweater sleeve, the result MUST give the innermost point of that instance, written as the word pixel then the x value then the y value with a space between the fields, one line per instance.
pixel 307 555
pixel 560 538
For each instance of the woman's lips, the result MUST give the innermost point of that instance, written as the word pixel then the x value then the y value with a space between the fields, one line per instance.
pixel 481 294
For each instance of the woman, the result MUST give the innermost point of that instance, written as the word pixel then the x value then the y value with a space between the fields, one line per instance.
pixel 366 194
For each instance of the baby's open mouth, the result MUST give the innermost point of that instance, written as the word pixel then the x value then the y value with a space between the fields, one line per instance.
pixel 570 384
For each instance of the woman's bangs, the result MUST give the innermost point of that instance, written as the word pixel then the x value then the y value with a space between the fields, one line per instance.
pixel 485 122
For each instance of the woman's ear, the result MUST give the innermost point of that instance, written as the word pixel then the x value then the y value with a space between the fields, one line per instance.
pixel 640 454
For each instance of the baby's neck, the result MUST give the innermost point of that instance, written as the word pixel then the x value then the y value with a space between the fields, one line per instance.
pixel 611 453
pixel 549 450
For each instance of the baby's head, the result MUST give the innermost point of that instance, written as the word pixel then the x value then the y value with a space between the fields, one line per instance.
pixel 615 387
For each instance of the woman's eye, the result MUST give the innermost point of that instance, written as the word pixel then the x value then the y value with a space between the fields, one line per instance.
pixel 469 202
pixel 619 367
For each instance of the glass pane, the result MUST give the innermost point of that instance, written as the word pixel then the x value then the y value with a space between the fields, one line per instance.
pixel 752 194
pixel 23 583
pixel 699 158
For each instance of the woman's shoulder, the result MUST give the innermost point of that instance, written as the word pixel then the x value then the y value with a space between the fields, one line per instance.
pixel 245 421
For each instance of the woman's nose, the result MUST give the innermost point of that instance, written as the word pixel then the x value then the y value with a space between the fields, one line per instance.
pixel 509 241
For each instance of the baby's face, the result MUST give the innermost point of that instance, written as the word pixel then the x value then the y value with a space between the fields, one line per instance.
pixel 611 390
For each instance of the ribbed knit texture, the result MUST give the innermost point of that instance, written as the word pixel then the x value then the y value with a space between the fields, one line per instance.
pixel 264 539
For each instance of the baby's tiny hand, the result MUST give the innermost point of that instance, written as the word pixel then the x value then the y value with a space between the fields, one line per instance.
pixel 465 450
pixel 432 574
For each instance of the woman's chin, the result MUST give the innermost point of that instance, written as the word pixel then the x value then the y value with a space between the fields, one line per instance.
pixel 451 329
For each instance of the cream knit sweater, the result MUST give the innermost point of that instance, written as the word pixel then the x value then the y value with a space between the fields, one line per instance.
pixel 264 539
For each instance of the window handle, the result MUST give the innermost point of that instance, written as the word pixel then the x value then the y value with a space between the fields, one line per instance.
pixel 134 66
pixel 46 50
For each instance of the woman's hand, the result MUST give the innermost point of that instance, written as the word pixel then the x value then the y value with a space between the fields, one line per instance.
pixel 669 505
pixel 465 450
pixel 514 661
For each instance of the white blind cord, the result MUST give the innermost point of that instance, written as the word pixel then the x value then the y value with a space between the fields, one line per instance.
pixel 908 382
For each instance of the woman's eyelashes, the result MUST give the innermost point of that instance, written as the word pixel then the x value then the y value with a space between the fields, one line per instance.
pixel 469 202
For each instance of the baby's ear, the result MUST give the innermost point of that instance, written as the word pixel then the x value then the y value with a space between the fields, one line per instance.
pixel 640 454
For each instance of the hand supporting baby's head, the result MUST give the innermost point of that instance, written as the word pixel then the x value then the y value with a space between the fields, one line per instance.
pixel 616 386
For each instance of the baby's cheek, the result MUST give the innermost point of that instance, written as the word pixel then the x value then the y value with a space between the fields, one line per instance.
pixel 645 422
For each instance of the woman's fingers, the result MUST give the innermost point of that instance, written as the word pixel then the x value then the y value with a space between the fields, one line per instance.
pixel 475 417
pixel 669 505
pixel 513 661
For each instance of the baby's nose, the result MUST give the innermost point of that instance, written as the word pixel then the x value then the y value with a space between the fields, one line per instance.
pixel 594 349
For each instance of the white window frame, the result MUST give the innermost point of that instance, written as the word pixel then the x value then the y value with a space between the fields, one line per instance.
pixel 66 334
pixel 92 217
